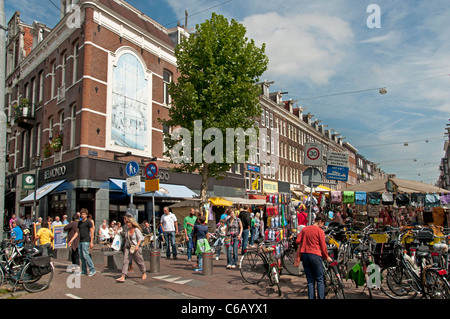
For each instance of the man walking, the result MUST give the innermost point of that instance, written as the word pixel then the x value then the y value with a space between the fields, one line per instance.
pixel 169 227
pixel 85 232
pixel 246 220
pixel 189 222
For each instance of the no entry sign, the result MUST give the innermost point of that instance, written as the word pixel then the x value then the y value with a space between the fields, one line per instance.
pixel 313 154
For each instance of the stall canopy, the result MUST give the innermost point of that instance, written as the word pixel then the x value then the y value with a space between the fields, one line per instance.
pixel 400 185
pixel 245 201
pixel 219 201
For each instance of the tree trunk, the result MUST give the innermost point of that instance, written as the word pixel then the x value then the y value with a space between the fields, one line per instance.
pixel 204 186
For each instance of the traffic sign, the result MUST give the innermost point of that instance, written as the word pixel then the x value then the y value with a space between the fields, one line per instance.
pixel 338 173
pixel 151 170
pixel 337 159
pixel 313 154
pixel 152 185
pixel 132 168
pixel 133 184
pixel 311 175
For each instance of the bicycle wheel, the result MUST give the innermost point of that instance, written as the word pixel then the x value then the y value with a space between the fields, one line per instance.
pixel 396 283
pixel 337 283
pixel 287 261
pixel 35 283
pixel 253 267
pixel 333 286
pixel 435 285
pixel 275 278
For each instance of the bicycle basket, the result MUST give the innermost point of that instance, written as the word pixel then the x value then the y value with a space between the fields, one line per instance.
pixel 40 266
pixel 425 235
pixel 384 255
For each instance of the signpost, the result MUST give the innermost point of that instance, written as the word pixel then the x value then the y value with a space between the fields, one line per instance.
pixel 133 183
pixel 152 185
pixel 311 176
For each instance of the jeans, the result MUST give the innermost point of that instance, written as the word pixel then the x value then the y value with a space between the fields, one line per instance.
pixel 190 245
pixel 245 235
pixel 252 235
pixel 218 244
pixel 83 249
pixel 232 252
pixel 169 237
pixel 313 267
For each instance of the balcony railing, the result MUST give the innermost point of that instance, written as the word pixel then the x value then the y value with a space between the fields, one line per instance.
pixel 24 115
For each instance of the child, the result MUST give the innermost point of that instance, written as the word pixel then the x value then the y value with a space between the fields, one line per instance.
pixel 221 232
pixel 202 236
pixel 45 237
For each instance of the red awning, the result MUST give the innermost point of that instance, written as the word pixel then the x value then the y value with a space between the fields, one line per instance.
pixel 251 196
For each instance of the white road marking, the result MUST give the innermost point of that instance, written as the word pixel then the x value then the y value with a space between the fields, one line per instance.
pixel 73 296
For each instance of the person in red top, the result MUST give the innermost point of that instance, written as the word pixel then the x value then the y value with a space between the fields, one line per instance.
pixel 312 249
pixel 302 217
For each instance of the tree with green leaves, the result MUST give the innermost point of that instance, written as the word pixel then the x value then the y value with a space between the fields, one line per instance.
pixel 219 68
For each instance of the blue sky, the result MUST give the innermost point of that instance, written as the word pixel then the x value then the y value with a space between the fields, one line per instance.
pixel 323 52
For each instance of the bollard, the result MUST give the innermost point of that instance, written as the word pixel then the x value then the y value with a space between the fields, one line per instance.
pixel 207 264
pixel 155 257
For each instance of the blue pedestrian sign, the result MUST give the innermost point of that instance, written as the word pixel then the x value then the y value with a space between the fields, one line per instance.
pixel 132 168
pixel 338 173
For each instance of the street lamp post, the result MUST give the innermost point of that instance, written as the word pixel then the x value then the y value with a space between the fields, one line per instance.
pixel 37 163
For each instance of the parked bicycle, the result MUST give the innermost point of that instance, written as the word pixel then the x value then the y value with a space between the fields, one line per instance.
pixel 34 274
pixel 407 277
pixel 264 261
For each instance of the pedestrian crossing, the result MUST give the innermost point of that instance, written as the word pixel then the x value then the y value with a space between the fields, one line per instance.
pixel 173 279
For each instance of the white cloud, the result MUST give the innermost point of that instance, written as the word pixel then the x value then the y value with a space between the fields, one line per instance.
pixel 307 47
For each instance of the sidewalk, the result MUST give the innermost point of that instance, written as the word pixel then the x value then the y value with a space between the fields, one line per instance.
pixel 177 280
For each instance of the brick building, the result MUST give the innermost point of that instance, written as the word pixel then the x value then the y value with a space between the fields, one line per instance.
pixel 81 94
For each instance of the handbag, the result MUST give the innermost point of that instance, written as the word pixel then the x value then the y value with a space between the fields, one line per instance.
pixel 132 247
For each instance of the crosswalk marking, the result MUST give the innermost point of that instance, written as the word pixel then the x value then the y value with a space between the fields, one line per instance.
pixel 172 279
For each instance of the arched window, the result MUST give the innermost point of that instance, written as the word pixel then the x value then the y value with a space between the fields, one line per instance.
pixel 129 116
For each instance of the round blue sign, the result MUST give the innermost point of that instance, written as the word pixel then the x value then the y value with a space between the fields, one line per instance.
pixel 132 168
pixel 151 170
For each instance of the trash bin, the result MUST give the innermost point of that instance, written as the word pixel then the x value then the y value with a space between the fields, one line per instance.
pixel 155 257
pixel 207 264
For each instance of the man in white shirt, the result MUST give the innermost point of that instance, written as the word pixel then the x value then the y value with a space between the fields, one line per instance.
pixel 169 227
pixel 56 222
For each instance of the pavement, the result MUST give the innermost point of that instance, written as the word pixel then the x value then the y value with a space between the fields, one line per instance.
pixel 176 279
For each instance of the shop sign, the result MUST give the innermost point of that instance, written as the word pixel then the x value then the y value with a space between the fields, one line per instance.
pixel 55 172
pixel 270 187
pixel 253 168
pixel 28 181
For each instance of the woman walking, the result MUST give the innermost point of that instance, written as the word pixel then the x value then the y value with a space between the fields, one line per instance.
pixel 132 249
pixel 234 232
pixel 312 250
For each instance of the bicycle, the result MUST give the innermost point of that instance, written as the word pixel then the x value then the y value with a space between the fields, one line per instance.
pixel 360 272
pixel 35 274
pixel 333 281
pixel 409 278
pixel 256 264
pixel 288 258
